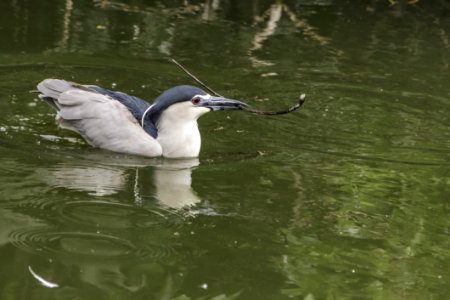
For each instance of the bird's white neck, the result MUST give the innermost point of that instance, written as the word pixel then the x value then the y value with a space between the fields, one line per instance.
pixel 178 132
pixel 179 141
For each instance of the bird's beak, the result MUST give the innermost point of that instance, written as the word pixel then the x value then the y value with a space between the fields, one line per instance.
pixel 221 103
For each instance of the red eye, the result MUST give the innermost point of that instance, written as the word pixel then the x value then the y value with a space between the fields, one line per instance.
pixel 195 101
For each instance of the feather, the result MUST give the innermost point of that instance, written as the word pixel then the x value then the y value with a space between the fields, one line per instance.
pixel 135 105
pixel 51 89
pixel 102 120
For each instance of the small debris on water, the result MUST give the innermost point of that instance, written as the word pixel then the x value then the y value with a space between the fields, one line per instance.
pixel 41 280
pixel 269 74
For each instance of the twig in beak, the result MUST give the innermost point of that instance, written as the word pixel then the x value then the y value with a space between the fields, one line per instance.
pixel 300 102
pixel 246 108
pixel 195 78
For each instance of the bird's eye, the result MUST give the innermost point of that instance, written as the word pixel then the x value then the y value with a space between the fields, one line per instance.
pixel 195 101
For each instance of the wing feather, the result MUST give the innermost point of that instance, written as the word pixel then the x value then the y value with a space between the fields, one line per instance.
pixel 100 119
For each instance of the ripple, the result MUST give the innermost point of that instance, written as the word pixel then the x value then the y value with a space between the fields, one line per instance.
pixel 369 123
pixel 111 215
pixel 105 215
pixel 49 241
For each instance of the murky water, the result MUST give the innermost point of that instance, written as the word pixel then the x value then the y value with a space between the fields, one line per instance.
pixel 347 198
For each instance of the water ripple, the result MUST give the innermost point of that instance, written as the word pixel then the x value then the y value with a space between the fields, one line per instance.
pixel 370 123
pixel 49 241
pixel 114 215
pixel 105 215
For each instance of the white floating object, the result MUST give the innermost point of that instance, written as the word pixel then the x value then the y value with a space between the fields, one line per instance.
pixel 42 280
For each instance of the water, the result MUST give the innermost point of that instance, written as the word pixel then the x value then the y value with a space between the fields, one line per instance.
pixel 346 198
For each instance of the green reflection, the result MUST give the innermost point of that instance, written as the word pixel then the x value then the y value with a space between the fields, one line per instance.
pixel 344 199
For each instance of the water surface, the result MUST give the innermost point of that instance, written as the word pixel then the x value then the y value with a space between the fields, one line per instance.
pixel 346 198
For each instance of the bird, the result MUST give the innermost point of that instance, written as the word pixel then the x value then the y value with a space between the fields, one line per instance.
pixel 122 123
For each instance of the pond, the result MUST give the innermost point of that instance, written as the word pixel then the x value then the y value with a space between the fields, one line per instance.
pixel 346 198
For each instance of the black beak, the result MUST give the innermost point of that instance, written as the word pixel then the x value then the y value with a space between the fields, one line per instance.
pixel 221 103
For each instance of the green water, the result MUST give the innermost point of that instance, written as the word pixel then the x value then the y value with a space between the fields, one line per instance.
pixel 347 198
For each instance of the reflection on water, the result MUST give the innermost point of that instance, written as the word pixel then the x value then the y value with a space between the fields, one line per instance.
pixel 172 179
pixel 98 181
pixel 173 183
pixel 347 198
pixel 112 234
pixel 273 16
pixel 104 235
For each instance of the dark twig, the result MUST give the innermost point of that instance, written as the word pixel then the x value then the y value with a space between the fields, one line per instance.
pixel 300 102
pixel 195 78
pixel 246 108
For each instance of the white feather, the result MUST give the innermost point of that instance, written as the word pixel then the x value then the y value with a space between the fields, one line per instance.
pixel 178 131
pixel 106 123
pixel 53 87
pixel 42 281
pixel 102 121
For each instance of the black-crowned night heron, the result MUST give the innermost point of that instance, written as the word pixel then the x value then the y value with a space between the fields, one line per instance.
pixel 122 123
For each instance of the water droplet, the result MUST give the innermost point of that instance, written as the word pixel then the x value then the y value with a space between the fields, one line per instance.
pixel 113 85
pixel 203 286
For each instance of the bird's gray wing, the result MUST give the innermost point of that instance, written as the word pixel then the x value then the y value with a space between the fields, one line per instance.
pixel 101 120
pixel 135 105
pixel 52 88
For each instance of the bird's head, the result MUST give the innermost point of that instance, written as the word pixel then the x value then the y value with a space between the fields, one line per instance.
pixel 188 103
pixel 174 117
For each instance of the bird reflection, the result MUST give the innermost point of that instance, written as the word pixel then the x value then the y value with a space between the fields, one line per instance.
pixel 96 180
pixel 122 233
pixel 171 179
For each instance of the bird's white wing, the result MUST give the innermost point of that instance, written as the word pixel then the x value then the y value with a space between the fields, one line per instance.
pixel 105 123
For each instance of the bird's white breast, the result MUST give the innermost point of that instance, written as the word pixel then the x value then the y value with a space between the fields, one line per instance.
pixel 182 142
pixel 178 132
